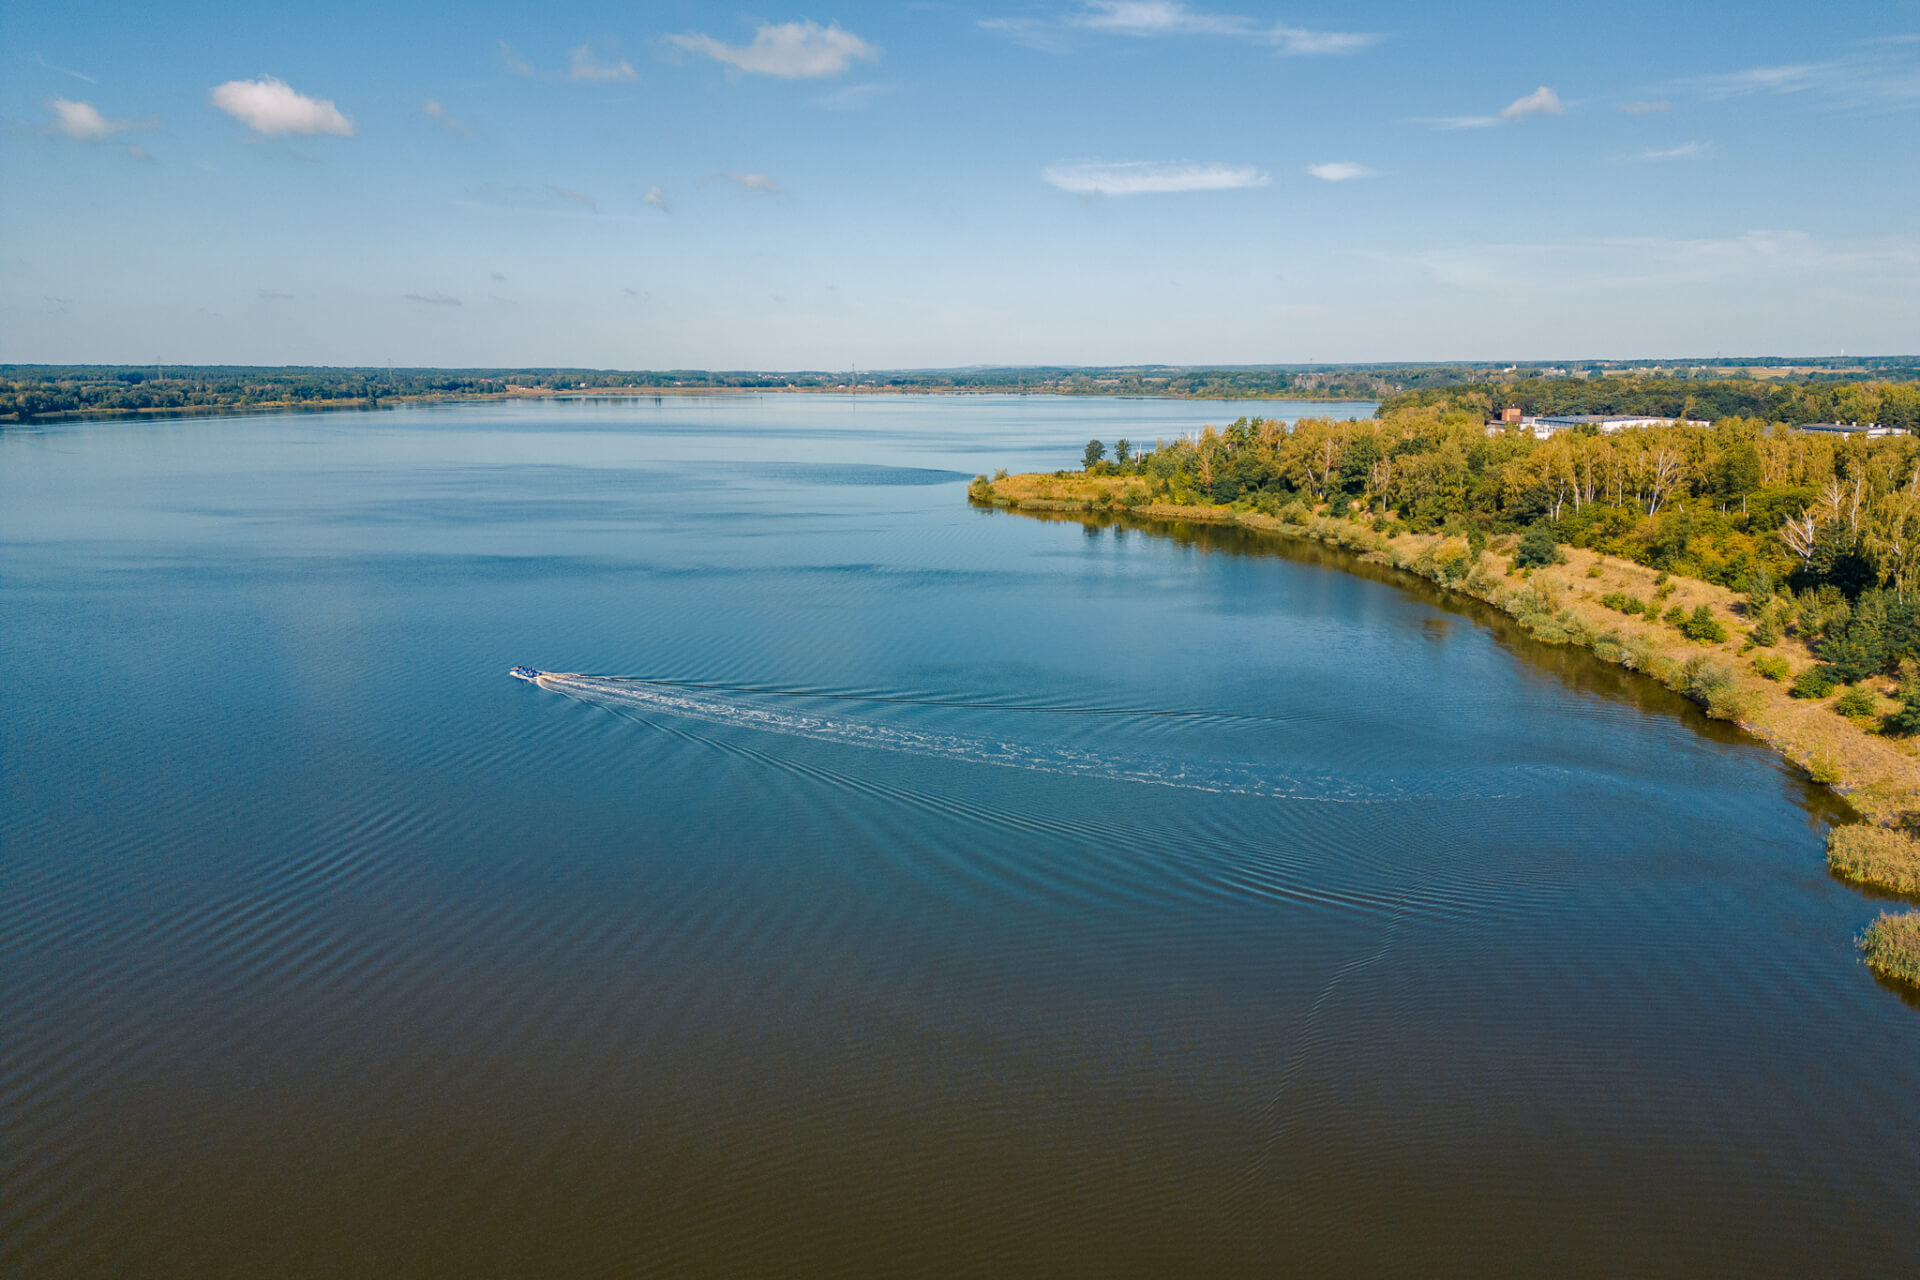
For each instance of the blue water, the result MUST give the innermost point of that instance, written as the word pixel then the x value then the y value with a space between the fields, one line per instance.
pixel 899 886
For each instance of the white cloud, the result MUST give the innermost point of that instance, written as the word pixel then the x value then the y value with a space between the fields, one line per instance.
pixel 789 50
pixel 1884 75
pixel 83 120
pixel 582 65
pixel 1644 108
pixel 41 59
pixel 1145 177
pixel 1154 17
pixel 658 199
pixel 757 184
pixel 1673 153
pixel 1151 18
pixel 1541 102
pixel 1460 122
pixel 578 197
pixel 1302 41
pixel 514 63
pixel 438 113
pixel 1339 171
pixel 852 97
pixel 433 299
pixel 270 106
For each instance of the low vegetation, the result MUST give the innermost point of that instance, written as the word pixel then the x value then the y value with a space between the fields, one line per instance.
pixel 1875 856
pixel 1892 947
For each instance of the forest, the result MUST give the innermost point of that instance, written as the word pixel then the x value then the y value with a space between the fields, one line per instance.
pixel 1822 533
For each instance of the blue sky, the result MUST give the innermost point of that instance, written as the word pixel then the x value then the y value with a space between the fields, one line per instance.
pixel 682 185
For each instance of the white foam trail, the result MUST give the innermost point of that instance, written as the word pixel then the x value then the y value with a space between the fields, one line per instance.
pixel 1227 777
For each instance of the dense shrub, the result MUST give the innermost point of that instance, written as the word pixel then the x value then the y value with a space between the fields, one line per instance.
pixel 1814 682
pixel 1856 701
pixel 1904 720
pixel 1703 627
pixel 1537 548
pixel 1772 666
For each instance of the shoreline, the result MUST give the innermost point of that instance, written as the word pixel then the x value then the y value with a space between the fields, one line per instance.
pixel 361 405
pixel 1877 777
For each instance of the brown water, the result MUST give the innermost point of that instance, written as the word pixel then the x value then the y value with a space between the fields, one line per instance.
pixel 957 893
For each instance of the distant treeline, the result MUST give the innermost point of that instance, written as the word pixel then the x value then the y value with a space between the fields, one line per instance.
pixel 1795 391
pixel 1808 399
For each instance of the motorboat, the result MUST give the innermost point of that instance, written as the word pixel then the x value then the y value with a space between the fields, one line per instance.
pixel 528 674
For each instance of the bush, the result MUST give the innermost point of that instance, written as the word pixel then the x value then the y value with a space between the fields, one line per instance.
pixel 1766 632
pixel 1537 548
pixel 1856 701
pixel 1904 720
pixel 1675 617
pixel 1593 571
pixel 1772 666
pixel 1703 627
pixel 1712 684
pixel 1814 682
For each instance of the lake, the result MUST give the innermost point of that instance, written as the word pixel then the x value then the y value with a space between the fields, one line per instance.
pixel 902 888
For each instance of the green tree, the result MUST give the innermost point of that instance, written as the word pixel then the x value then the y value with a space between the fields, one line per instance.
pixel 1122 450
pixel 1095 452
pixel 1537 547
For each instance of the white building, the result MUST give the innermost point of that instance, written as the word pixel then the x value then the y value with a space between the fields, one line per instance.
pixel 1871 430
pixel 1548 424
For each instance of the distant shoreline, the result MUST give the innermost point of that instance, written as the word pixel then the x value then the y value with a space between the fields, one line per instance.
pixel 361 405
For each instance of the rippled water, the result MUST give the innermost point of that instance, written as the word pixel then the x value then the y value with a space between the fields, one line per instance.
pixel 903 888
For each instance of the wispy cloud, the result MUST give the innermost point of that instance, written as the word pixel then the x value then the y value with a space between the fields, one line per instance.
pixel 41 60
pixel 275 295
pixel 788 50
pixel 433 299
pixel 515 64
pixel 1146 19
pixel 269 106
pixel 83 120
pixel 1541 102
pixel 1339 171
pixel 580 198
pixel 1886 76
pixel 438 113
pixel 1674 153
pixel 1645 108
pixel 582 65
pixel 1146 177
pixel 658 199
pixel 852 97
pixel 751 184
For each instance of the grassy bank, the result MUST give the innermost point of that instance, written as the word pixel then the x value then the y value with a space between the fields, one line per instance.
pixel 1875 856
pixel 1892 947
pixel 1580 601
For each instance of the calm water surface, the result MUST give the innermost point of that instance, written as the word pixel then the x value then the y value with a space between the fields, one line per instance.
pixel 930 890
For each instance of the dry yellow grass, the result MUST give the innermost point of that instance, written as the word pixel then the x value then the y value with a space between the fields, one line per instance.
pixel 1876 856
pixel 1880 776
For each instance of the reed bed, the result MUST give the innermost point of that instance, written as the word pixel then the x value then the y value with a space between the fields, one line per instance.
pixel 1876 856
pixel 1892 946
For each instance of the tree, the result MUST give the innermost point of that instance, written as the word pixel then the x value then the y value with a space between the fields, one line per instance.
pixel 1537 547
pixel 1095 452
pixel 1122 450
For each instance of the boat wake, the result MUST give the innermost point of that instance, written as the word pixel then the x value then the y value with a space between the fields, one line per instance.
pixel 774 712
